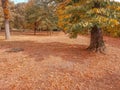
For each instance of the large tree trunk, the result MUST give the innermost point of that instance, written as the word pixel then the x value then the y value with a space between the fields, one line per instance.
pixel 7 29
pixel 97 43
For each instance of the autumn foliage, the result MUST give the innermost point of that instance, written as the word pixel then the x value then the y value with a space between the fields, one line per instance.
pixel 6 9
pixel 75 16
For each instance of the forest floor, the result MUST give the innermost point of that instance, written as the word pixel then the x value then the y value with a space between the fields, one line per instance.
pixel 56 62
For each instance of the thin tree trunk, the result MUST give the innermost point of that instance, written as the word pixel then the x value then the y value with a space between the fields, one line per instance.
pixel 97 43
pixel 7 29
pixel 6 16
pixel 35 31
pixel 35 28
pixel 0 29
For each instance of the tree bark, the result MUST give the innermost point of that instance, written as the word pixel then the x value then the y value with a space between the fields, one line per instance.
pixel 0 29
pixel 35 28
pixel 6 16
pixel 96 42
pixel 7 29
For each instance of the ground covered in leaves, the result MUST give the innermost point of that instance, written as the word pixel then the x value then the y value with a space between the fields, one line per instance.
pixel 56 62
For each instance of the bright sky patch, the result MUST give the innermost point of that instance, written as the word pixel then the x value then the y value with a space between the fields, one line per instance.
pixel 19 1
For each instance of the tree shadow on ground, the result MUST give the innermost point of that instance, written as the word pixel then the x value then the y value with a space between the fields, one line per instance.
pixel 70 52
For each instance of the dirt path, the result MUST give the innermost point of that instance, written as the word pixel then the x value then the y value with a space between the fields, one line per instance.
pixel 58 63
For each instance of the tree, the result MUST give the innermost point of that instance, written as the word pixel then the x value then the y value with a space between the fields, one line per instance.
pixel 19 16
pixel 6 16
pixel 42 12
pixel 77 15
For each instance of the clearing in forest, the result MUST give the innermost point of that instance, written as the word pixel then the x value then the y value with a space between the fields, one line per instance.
pixel 56 62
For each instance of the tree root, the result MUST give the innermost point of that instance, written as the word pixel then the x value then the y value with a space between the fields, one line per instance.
pixel 99 49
